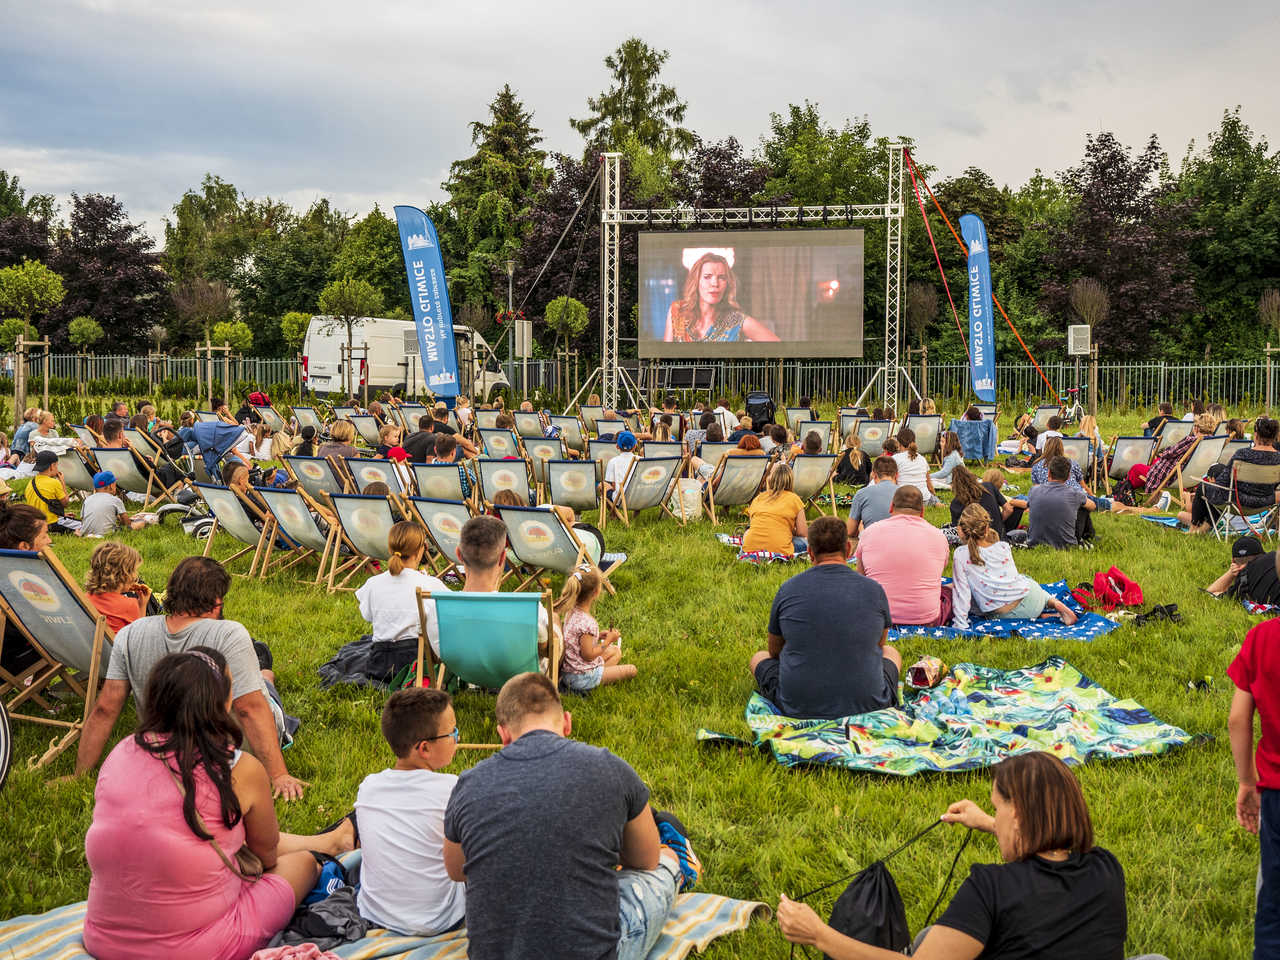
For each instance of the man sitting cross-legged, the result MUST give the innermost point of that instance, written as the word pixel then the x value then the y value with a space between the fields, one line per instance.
pixel 906 555
pixel 827 636
pixel 547 808
pixel 194 597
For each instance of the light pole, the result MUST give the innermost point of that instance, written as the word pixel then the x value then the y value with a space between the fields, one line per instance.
pixel 511 323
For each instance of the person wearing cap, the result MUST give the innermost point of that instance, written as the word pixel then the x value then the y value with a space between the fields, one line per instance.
pixel 399 458
pixel 103 508
pixel 48 494
pixel 616 470
pixel 1251 575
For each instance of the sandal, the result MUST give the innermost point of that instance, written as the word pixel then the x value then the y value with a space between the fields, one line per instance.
pixel 355 827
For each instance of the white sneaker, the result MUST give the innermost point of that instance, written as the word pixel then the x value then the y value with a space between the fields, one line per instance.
pixel 1165 499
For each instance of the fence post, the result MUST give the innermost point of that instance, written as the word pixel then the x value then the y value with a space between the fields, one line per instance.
pixel 19 380
pixel 1093 380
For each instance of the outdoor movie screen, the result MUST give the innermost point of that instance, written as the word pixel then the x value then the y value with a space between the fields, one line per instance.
pixel 758 293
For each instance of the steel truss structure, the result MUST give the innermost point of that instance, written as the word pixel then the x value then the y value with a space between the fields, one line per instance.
pixel 613 218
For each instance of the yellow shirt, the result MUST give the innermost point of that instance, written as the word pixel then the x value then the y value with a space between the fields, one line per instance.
pixel 773 518
pixel 52 489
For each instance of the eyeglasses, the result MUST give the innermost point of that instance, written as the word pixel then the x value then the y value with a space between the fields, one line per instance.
pixel 453 735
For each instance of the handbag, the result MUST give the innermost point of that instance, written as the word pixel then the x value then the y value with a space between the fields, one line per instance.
pixel 246 864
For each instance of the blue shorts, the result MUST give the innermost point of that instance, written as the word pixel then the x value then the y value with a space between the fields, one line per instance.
pixel 582 682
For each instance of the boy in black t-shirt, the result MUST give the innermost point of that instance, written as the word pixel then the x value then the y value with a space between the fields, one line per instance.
pixel 1251 575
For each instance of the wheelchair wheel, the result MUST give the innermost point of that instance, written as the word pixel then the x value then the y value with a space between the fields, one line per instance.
pixel 6 745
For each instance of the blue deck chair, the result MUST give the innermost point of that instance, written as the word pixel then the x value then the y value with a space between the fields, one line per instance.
pixel 873 434
pixel 735 482
pixel 498 475
pixel 444 520
pixel 541 541
pixel 486 638
pixel 234 518
pixel 72 641
pixel 86 436
pixel 366 522
pixel 574 483
pixel 812 474
pixel 821 427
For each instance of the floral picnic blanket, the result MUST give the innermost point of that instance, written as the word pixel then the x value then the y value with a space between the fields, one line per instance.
pixel 975 717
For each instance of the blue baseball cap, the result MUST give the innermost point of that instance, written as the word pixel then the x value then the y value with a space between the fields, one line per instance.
pixel 103 478
pixel 626 440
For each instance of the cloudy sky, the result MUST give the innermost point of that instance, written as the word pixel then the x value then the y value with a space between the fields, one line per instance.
pixel 370 101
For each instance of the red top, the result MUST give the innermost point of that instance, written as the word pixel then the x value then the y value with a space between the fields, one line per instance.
pixel 117 608
pixel 1256 671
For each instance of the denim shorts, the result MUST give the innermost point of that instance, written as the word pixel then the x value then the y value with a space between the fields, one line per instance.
pixel 582 682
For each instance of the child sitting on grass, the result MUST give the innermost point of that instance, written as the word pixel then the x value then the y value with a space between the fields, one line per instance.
pixel 400 813
pixel 590 658
pixel 113 585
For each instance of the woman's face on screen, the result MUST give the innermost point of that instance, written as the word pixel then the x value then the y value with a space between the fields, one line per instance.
pixel 712 282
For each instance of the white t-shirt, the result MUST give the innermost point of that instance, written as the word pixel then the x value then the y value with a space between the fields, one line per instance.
pixel 615 471
pixel 914 472
pixel 403 882
pixel 391 606
pixel 1042 437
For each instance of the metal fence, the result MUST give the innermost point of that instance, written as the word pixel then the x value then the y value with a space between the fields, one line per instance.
pixel 157 369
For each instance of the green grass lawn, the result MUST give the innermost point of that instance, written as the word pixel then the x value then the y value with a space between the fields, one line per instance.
pixel 691 617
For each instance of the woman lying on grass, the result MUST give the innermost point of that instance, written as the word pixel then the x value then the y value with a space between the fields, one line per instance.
pixel 1055 894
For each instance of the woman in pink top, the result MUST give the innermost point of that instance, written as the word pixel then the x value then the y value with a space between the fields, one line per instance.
pixel 160 888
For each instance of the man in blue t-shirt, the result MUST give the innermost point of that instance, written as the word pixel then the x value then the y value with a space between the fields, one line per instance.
pixel 538 831
pixel 828 628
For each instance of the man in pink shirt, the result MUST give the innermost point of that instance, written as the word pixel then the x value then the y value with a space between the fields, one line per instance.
pixel 906 555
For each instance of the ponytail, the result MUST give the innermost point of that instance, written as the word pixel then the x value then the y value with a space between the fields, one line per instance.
pixel 583 582
pixel 907 439
pixel 405 541
pixel 975 526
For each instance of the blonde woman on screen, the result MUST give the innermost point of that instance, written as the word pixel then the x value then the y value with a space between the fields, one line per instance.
pixel 709 311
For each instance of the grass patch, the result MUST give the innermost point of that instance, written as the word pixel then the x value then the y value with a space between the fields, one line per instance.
pixel 691 617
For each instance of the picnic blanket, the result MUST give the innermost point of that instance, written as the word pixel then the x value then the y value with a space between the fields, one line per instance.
pixel 760 557
pixel 1238 524
pixel 975 717
pixel 695 921
pixel 1086 627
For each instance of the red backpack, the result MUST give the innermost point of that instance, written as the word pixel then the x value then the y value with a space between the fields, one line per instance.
pixel 1110 590
pixel 258 399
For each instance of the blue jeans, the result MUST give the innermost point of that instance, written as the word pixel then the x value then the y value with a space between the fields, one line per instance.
pixel 1266 922
pixel 799 544
pixel 645 898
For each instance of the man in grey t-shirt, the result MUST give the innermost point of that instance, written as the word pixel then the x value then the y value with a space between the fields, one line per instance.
pixel 103 508
pixel 194 596
pixel 872 502
pixel 1059 513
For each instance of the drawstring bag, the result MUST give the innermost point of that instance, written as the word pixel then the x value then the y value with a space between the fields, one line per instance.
pixel 1108 591
pixel 870 909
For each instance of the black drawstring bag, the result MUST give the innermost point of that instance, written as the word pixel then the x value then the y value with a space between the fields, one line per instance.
pixel 870 909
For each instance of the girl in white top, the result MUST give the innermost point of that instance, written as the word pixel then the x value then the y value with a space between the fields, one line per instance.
pixel 913 469
pixel 388 600
pixel 984 578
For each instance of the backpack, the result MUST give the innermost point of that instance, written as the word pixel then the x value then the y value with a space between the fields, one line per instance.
pixel 1108 591
pixel 259 399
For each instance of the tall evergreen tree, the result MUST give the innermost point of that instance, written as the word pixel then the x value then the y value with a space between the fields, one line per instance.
pixel 637 104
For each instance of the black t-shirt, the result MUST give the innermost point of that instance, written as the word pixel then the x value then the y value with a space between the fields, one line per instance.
pixel 1035 909
pixel 440 427
pixel 540 824
pixel 421 445
pixel 1156 424
pixel 1258 581
pixel 992 501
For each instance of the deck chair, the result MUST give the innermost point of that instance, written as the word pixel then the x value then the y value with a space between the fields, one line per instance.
pixel 989 411
pixel 601 451
pixel 367 428
pixel 1040 419
pixel 486 639
pixel 364 472
pixel 293 515
pixel 411 413
pixel 1235 517
pixel 735 482
pixel 86 436
pixel 648 484
pixel 528 424
pixel 71 638
pixel 822 428
pixel 307 417
pixel 366 522
pixel 316 475
pixel 345 413
pixel 1080 451
pixel 1231 448
pixel 131 476
pixel 235 518
pixel 541 542
pixel 928 430
pixel 591 415
pixel 812 474
pixel 208 416
pixel 439 481
pixel 573 483
pixel 144 443
pixel 663 448
pixel 539 450
pixel 714 452
pixel 498 475
pixel 1128 452
pixel 873 434
pixel 572 431
pixel 1173 432
pixel 444 520
pixel 795 415
pixel 497 444
pixel 1204 456
pixel 848 424
pixel 75 471
pixel 1150 492
pixel 487 419
pixel 272 418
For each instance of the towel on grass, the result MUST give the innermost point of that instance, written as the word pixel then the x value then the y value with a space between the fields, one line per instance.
pixel 1086 627
pixel 975 717
pixel 1238 524
pixel 760 557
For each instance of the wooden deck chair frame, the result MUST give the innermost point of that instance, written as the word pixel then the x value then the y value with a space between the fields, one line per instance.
pixel 928 430
pixel 236 525
pixel 363 545
pixel 872 434
pixel 428 663
pixel 128 473
pixel 490 481
pixel 528 424
pixel 1206 454
pixel 430 478
pixel 292 512
pixel 1174 431
pixel 640 479
pixel 76 473
pixel 580 493
pixel 31 599
pixel 493 441
pixel 441 517
pixel 717 479
pixel 307 417
pixel 1252 473
pixel 1040 419
pixel 563 551
pixel 810 492
pixel 272 417
pixel 367 428
pixel 823 428
pixel 1144 449
pixel 1150 494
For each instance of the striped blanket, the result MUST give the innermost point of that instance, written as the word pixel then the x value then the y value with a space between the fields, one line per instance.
pixel 696 920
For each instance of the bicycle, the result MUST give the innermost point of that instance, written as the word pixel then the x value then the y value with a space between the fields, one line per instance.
pixel 1072 409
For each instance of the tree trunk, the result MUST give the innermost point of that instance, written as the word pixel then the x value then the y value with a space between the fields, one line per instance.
pixel 351 360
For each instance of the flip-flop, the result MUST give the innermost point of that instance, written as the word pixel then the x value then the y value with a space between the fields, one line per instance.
pixel 355 827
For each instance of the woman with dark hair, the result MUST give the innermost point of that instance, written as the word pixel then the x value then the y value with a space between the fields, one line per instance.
pixel 966 488
pixel 186 854
pixel 307 446
pixel 1055 895
pixel 1200 510
pixel 973 413
pixel 22 527
pixel 708 309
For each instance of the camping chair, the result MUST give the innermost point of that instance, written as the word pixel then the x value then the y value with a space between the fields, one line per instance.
pixel 208 416
pixel 365 472
pixel 237 519
pixel 1231 448
pixel 366 522
pixel 486 639
pixel 821 427
pixel 735 482
pixel 498 475
pixel 75 471
pixel 1204 456
pixel 294 518
pixel 307 417
pixel 367 428
pixel 439 481
pixel 873 434
pixel 528 424
pixel 572 431
pixel 928 430
pixel 71 638
pixel 1040 419
pixel 1253 474
pixel 1128 452
pixel 542 542
pixel 538 450
pixel 497 444
pixel 130 476
pixel 813 473
pixel 714 452
pixel 591 416
pixel 573 483
pixel 1173 432
pixel 648 483
pixel 444 520
pixel 316 475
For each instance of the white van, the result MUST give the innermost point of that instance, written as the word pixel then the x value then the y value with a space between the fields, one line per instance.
pixel 393 358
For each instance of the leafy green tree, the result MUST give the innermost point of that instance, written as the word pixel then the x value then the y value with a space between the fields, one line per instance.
pixel 11 328
pixel 293 328
pixel 346 303
pixel 233 332
pixel 214 230
pixel 29 290
pixel 199 304
pixel 637 103
pixel 15 202
pixel 567 317
pixel 84 332
pixel 371 250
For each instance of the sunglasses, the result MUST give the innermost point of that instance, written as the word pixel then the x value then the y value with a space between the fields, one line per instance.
pixel 453 735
